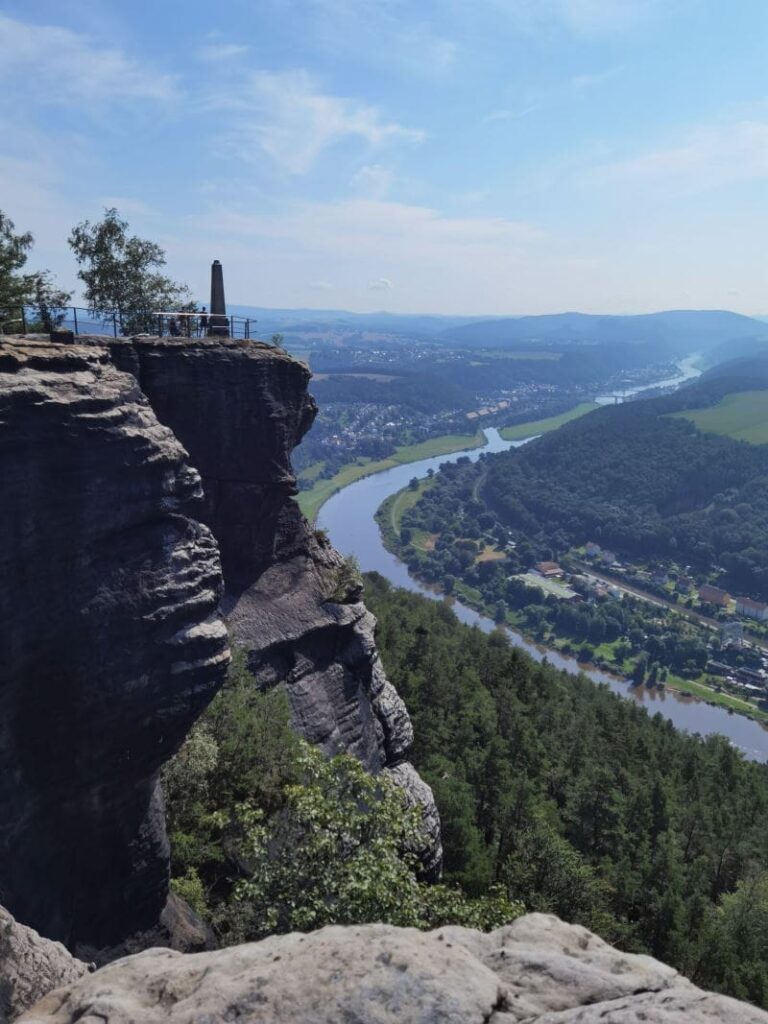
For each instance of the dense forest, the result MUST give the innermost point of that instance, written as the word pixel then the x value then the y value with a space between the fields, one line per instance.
pixel 554 794
pixel 647 484
pixel 579 802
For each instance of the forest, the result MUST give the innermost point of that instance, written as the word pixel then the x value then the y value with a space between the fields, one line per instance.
pixel 554 794
pixel 579 802
pixel 643 483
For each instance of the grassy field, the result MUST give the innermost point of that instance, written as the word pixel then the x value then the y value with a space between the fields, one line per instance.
pixel 404 500
pixel 312 471
pixel 535 427
pixel 312 500
pixel 742 416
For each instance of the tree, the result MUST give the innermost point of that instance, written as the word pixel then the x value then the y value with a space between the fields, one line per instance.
pixel 19 290
pixel 413 483
pixel 15 288
pixel 48 301
pixel 337 854
pixel 120 274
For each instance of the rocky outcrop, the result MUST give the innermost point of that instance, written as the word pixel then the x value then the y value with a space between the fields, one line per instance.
pixel 534 971
pixel 240 409
pixel 30 967
pixel 110 640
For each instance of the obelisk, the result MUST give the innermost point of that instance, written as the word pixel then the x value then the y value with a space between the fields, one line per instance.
pixel 218 323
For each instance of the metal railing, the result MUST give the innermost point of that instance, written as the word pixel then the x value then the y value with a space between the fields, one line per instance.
pixel 81 320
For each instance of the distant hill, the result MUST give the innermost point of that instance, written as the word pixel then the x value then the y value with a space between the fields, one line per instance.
pixel 676 332
pixel 287 321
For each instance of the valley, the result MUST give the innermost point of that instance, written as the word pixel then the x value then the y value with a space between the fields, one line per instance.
pixel 647 617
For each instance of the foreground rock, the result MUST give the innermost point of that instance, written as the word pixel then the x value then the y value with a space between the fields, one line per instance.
pixel 240 409
pixel 110 640
pixel 30 967
pixel 537 970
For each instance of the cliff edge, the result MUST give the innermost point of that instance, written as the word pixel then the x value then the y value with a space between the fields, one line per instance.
pixel 111 644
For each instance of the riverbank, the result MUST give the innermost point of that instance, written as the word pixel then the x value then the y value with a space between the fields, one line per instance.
pixel 534 428
pixel 311 500
pixel 349 520
pixel 389 518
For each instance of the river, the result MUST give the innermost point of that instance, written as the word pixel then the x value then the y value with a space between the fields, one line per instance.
pixel 349 520
pixel 687 370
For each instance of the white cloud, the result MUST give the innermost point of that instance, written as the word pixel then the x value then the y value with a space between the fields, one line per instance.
pixel 706 157
pixel 321 286
pixel 510 115
pixel 372 181
pixel 589 80
pixel 220 51
pixel 588 17
pixel 57 65
pixel 380 284
pixel 127 206
pixel 391 33
pixel 605 15
pixel 286 116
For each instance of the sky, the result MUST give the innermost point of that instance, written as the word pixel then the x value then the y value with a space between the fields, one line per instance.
pixel 458 157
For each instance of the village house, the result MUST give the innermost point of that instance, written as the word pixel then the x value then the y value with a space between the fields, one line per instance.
pixel 714 595
pixel 549 570
pixel 752 609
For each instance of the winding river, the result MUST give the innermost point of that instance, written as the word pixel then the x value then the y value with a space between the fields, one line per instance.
pixel 349 520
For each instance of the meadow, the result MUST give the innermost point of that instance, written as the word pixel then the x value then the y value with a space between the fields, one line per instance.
pixel 536 427
pixel 742 416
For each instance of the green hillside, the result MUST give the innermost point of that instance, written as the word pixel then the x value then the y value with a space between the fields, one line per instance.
pixel 742 416
pixel 532 429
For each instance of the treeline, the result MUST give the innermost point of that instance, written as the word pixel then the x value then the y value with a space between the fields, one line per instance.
pixel 645 484
pixel 580 803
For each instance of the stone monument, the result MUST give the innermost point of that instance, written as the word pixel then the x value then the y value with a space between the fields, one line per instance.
pixel 218 323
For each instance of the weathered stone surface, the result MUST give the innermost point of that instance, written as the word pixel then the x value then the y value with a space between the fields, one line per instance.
pixel 240 409
pixel 549 965
pixel 674 1006
pixel 30 967
pixel 377 974
pixel 110 642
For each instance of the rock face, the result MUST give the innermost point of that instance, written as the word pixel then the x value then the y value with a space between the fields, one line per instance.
pixel 30 967
pixel 240 409
pixel 110 642
pixel 534 971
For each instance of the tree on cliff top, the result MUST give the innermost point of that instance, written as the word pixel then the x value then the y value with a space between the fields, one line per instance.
pixel 120 273
pixel 19 290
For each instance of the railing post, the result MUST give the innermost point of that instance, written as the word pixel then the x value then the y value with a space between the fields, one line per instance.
pixel 23 321
pixel 114 324
pixel 74 314
pixel 159 326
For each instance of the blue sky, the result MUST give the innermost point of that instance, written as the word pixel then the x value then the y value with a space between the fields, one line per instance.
pixel 447 156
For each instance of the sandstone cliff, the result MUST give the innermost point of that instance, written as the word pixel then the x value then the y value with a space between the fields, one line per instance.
pixel 30 967
pixel 240 409
pixel 537 970
pixel 110 643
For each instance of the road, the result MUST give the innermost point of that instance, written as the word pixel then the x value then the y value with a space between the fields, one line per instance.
pixel 660 602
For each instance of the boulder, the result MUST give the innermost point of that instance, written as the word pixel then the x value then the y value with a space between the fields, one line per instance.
pixel 536 971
